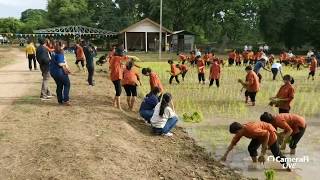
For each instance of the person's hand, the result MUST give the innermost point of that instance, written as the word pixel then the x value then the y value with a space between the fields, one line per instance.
pixel 283 146
pixel 240 80
pixel 223 158
pixel 261 159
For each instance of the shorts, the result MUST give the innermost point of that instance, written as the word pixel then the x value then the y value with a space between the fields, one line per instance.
pixel 117 87
pixel 312 73
pixel 252 95
pixel 131 90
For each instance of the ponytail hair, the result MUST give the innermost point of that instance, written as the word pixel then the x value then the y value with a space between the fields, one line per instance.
pixel 288 78
pixel 166 99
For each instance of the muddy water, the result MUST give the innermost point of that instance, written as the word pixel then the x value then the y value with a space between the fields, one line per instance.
pixel 215 138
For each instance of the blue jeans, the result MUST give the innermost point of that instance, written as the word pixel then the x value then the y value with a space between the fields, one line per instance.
pixel 170 124
pixel 146 114
pixel 63 87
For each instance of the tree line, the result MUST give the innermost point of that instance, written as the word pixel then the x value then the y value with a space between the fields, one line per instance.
pixel 280 23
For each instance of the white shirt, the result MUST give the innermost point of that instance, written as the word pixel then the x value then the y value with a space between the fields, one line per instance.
pixel 310 53
pixel 198 53
pixel 245 48
pixel 276 66
pixel 290 54
pixel 158 121
pixel 266 48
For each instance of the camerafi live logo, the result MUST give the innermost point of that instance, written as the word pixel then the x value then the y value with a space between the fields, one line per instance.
pixel 289 162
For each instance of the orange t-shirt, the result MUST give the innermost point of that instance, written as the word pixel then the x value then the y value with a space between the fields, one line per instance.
pixel 201 66
pixel 250 55
pixel 130 77
pixel 301 60
pixel 232 55
pixel 258 55
pixel 155 81
pixel 80 54
pixel 116 71
pixel 284 56
pixel 288 121
pixel 183 68
pixel 215 71
pixel 182 57
pixel 253 82
pixel 192 57
pixel 313 66
pixel 174 70
pixel 256 130
pixel 238 58
pixel 286 92
pixel 245 55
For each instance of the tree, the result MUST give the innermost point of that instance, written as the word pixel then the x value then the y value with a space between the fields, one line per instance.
pixel 69 12
pixel 33 19
pixel 10 25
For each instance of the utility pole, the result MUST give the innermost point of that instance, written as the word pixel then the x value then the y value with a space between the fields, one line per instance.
pixel 160 34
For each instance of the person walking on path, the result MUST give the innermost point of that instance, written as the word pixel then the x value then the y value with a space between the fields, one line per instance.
pixel 43 58
pixel 31 55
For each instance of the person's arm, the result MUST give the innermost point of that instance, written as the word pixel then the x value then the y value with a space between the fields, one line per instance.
pixel 287 133
pixel 233 143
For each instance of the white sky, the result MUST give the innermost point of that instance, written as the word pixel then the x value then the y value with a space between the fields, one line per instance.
pixel 13 8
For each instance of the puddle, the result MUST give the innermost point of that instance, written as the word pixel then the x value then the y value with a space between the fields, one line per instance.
pixel 214 136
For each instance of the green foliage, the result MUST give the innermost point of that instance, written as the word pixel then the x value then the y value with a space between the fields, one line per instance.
pixel 196 117
pixel 33 19
pixel 10 25
pixel 270 174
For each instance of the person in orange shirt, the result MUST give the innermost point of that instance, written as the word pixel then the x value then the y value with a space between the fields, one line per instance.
pixel 292 125
pixel 245 55
pixel 251 85
pixel 284 58
pixel 238 59
pixel 80 57
pixel 251 57
pixel 116 74
pixel 183 69
pixel 215 72
pixel 192 58
pixel 313 67
pixel 259 133
pixel 182 57
pixel 130 82
pixel 154 79
pixel 174 72
pixel 210 58
pixel 300 62
pixel 232 57
pixel 284 96
pixel 201 70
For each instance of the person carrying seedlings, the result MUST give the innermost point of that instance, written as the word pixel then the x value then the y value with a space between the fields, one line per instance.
pixel 182 57
pixel 251 85
pixel 130 82
pixel 293 127
pixel 164 118
pixel 313 67
pixel 259 133
pixel 201 70
pixel 116 74
pixel 148 104
pixel 215 72
pixel 261 64
pixel 183 69
pixel 80 57
pixel 284 96
pixel 232 56
pixel 276 68
pixel 174 72
pixel 154 79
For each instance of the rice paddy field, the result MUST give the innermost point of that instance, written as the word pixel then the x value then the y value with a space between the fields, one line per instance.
pixel 221 106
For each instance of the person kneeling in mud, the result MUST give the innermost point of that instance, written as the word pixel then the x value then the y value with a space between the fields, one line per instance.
pixel 164 118
pixel 148 104
pixel 293 127
pixel 259 133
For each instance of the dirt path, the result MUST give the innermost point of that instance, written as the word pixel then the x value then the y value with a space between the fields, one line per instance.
pixel 16 79
pixel 91 139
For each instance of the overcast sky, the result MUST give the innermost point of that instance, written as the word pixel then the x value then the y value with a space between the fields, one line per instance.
pixel 13 8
